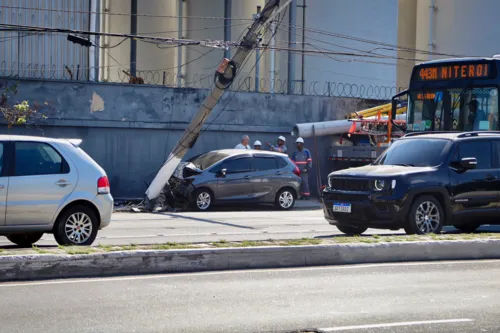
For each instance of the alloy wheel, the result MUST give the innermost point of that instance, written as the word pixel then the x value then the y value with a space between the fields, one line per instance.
pixel 78 228
pixel 427 217
pixel 203 200
pixel 286 199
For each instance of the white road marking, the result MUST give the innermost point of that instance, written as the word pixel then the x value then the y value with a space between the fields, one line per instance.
pixel 249 271
pixel 407 323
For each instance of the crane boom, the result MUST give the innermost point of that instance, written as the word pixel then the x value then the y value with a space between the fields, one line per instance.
pixel 224 76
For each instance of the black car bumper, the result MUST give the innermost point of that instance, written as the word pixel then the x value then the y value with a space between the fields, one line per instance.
pixel 367 210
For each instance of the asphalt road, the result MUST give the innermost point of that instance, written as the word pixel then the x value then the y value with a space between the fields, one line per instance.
pixel 413 297
pixel 255 224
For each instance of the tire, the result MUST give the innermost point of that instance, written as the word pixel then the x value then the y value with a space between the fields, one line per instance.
pixel 77 225
pixel 426 216
pixel 25 240
pixel 351 230
pixel 285 199
pixel 467 228
pixel 203 200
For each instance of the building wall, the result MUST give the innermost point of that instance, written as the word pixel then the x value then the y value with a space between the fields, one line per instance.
pixel 115 57
pixel 407 38
pixel 460 28
pixel 375 20
pixel 130 130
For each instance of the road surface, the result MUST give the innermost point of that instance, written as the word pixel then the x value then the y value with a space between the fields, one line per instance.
pixel 413 297
pixel 143 228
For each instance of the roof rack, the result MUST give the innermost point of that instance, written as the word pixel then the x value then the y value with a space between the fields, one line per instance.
pixel 430 132
pixel 477 133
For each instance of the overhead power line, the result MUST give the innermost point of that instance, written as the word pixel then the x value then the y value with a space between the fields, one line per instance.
pixel 330 52
pixel 157 40
pixel 391 47
pixel 128 14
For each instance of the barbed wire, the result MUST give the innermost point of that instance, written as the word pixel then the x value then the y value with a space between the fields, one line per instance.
pixel 203 80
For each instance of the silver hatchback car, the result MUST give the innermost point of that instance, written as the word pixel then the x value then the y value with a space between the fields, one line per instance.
pixel 51 186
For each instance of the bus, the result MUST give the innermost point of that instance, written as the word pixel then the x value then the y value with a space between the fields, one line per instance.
pixel 452 95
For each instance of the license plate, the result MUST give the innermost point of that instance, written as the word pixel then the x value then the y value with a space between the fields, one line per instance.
pixel 341 207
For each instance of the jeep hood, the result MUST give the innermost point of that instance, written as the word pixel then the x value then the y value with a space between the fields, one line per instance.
pixel 381 171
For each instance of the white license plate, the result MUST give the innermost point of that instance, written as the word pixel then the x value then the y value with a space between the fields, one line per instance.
pixel 341 207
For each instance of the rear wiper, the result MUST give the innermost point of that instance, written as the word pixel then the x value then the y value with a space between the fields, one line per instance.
pixel 405 165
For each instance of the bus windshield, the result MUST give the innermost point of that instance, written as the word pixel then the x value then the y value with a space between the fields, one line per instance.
pixel 474 109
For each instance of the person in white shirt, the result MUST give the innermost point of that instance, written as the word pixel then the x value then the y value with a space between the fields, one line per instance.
pixel 245 139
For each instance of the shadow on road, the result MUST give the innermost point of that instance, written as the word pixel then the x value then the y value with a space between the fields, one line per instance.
pixel 448 230
pixel 197 219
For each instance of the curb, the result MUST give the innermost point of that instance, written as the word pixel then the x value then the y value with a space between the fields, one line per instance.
pixel 30 267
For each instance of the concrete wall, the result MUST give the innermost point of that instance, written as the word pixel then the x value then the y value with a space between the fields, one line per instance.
pixel 130 130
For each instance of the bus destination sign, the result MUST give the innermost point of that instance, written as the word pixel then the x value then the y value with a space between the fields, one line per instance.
pixel 455 71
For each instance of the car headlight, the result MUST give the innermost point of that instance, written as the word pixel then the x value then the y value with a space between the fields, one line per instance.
pixel 330 182
pixel 379 185
pixel 393 184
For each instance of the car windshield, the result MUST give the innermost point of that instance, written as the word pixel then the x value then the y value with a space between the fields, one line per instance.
pixel 414 152
pixel 206 160
pixel 453 109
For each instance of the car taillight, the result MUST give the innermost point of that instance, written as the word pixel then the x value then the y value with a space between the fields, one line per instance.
pixel 103 185
pixel 296 170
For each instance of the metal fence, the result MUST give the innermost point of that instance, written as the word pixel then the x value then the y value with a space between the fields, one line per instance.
pixel 198 80
pixel 27 52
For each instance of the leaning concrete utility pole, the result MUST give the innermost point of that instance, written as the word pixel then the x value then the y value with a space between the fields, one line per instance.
pixel 224 76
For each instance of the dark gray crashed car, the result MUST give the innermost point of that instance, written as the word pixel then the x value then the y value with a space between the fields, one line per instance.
pixel 235 176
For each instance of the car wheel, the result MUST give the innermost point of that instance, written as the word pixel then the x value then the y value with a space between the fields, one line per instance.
pixel 203 200
pixel 285 199
pixel 467 228
pixel 426 216
pixel 25 240
pixel 351 230
pixel 77 225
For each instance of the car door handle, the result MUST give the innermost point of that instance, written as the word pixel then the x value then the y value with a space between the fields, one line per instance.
pixel 247 177
pixel 2 186
pixel 490 178
pixel 62 183
pixel 279 172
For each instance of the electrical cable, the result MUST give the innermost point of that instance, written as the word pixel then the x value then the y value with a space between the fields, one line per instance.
pixel 125 14
pixel 158 40
pixel 368 41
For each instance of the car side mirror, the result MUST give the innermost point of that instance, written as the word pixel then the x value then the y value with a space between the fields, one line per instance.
pixel 222 173
pixel 468 163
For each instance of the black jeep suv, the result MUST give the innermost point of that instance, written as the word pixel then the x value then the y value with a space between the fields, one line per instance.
pixel 422 182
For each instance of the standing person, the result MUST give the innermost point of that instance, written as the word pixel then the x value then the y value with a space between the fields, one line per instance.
pixel 245 139
pixel 279 146
pixel 303 159
pixel 257 145
pixel 476 116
